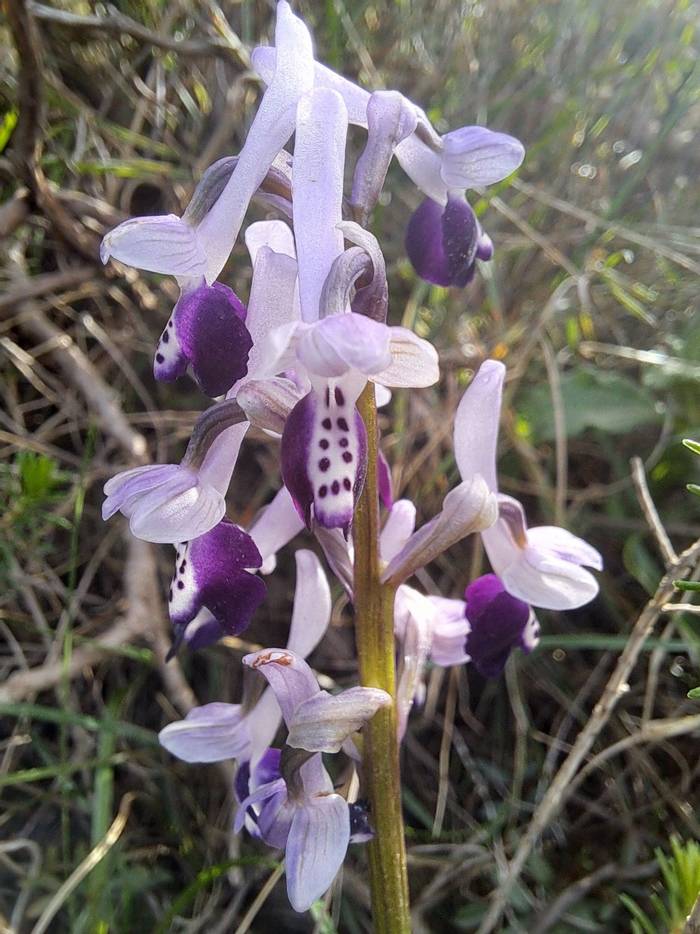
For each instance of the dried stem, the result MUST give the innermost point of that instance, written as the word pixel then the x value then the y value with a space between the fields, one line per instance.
pixel 374 632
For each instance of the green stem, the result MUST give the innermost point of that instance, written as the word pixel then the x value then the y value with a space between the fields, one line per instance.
pixel 374 633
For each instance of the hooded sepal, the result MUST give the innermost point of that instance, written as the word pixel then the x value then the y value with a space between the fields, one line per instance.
pixel 206 331
pixel 210 574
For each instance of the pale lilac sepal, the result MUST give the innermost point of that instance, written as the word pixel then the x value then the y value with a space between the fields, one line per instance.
pixel 288 675
pixel 344 342
pixel 398 528
pixel 325 721
pixel 316 846
pixel 469 508
pixel 474 157
pixel 311 614
pixel 176 502
pixel 275 526
pixel 413 625
pixel 414 362
pixel 450 630
pixel 211 733
pixel 476 424
pixel 273 125
pixel 317 177
pixel 163 244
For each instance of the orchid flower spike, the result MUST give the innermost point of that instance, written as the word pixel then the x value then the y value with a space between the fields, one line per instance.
pixel 216 732
pixel 542 566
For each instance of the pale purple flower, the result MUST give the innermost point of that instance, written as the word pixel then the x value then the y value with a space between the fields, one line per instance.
pixel 300 810
pixel 543 566
pixel 324 444
pixel 216 732
pixel 317 721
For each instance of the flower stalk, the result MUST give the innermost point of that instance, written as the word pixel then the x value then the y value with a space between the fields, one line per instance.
pixel 374 633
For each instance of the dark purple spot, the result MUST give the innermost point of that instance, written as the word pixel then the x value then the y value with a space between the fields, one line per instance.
pixel 328 396
pixel 182 567
pixel 327 424
pixel 170 595
pixel 170 324
pixel 324 464
pixel 322 490
pixel 343 424
pixel 347 457
pixel 339 397
pixel 324 444
pixel 165 337
pixel 347 484
pixel 343 442
pixel 335 488
pixel 160 358
pixel 180 585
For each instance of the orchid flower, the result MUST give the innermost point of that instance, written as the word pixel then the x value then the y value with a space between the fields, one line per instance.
pixel 425 626
pixel 444 238
pixel 324 444
pixel 216 732
pixel 542 566
pixel 298 808
pixel 176 503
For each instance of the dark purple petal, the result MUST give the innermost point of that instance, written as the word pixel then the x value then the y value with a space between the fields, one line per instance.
pixel 210 576
pixel 324 457
pixel 498 624
pixel 210 330
pixel 267 770
pixel 424 244
pixel 444 243
pixel 460 235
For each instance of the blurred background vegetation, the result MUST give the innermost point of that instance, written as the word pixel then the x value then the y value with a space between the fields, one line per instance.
pixel 591 302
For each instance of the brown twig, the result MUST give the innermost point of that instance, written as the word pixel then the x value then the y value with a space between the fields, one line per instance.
pixel 650 514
